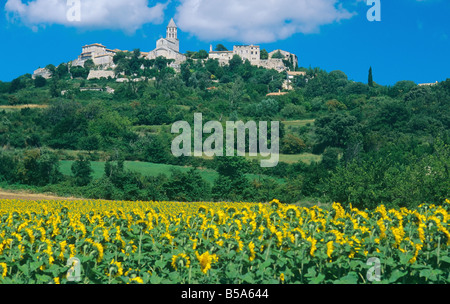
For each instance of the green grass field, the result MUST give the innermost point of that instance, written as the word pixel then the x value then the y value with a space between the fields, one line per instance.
pixel 307 158
pixel 148 169
pixel 298 123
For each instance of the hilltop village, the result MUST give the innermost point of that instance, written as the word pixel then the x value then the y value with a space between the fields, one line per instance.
pixel 169 48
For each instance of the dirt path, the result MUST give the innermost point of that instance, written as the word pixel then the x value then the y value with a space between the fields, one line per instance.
pixel 4 194
pixel 19 107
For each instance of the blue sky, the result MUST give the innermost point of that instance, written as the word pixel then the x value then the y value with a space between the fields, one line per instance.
pixel 411 42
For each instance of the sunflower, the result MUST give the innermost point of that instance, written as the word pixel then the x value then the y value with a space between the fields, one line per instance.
pixel 116 267
pixel 206 260
pixel 4 269
pixel 330 248
pixel 251 246
pixel 180 260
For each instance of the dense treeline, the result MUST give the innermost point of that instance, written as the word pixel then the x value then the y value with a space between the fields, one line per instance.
pixel 378 143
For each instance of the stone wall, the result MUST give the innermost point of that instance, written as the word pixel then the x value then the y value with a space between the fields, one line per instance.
pixel 251 53
pixel 97 74
pixel 224 57
pixel 276 64
pixel 42 72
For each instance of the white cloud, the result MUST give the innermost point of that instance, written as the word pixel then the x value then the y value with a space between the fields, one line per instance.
pixel 103 14
pixel 257 21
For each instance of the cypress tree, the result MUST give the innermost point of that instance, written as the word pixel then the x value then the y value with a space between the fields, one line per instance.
pixel 370 78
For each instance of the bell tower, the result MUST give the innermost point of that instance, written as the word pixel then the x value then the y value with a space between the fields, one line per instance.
pixel 172 36
pixel 172 31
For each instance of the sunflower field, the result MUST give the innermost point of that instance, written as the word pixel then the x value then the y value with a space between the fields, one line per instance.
pixel 101 242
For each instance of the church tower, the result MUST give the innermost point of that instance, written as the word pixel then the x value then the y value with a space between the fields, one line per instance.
pixel 172 31
pixel 172 34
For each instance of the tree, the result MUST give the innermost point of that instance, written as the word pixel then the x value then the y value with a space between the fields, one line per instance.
pixel 267 108
pixel 156 150
pixel 110 127
pixel 4 87
pixel 292 145
pixel 236 93
pixel 40 81
pixel 62 71
pixel 291 191
pixel 186 73
pixel 39 168
pixel 278 55
pixel 220 48
pixel 264 54
pixel 161 63
pixel 293 111
pixel 232 183
pixel 187 186
pixel 8 167
pixel 51 68
pixel 213 67
pixel 89 143
pixel 79 72
pixel 202 54
pixel 16 85
pixel 336 130
pixel 55 90
pixel 330 158
pixel 82 171
pixel 89 64
pixel 235 62
pixel 370 82
pixel 119 56
pixel 401 87
pixel 136 62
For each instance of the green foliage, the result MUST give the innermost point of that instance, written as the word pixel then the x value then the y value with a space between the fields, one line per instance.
pixel 187 187
pixel 220 48
pixel 82 171
pixel 16 85
pixel 38 168
pixel 232 182
pixel 110 127
pixel 264 54
pixel 293 111
pixel 351 127
pixel 89 64
pixel 8 167
pixel 40 81
pixel 79 72
pixel 370 80
pixel 336 130
pixel 277 55
pixel 409 183
pixel 292 145
pixel 61 71
pixel 265 109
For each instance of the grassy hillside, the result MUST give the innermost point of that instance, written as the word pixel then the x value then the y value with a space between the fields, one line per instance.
pixel 149 169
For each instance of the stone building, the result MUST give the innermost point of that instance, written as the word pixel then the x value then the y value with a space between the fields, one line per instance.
pixel 287 56
pixel 98 53
pixel 252 53
pixel 222 56
pixel 169 47
pixel 428 84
